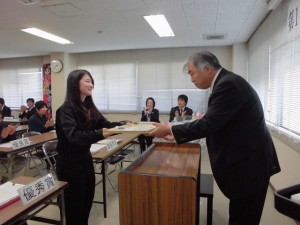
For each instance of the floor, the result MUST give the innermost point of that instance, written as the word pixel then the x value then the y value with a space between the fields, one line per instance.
pixel 220 208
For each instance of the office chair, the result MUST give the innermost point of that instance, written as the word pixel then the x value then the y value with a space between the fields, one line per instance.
pixel 34 154
pixel 50 152
pixel 113 160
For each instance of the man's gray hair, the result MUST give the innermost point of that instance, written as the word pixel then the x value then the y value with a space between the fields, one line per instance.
pixel 202 59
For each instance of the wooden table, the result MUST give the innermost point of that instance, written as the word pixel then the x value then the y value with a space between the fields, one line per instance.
pixel 104 155
pixel 162 186
pixel 17 212
pixel 35 141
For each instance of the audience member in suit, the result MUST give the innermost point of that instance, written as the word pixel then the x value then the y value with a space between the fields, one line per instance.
pixel 240 147
pixel 27 112
pixel 149 114
pixel 39 121
pixel 180 110
pixel 79 124
pixel 7 132
pixel 6 111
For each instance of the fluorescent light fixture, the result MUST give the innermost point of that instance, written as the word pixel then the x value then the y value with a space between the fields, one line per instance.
pixel 46 35
pixel 160 25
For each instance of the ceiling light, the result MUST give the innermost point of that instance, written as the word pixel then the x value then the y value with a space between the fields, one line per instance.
pixel 46 35
pixel 160 25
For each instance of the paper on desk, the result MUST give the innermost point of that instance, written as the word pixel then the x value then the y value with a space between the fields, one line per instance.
pixel 96 148
pixel 105 141
pixel 9 192
pixel 6 145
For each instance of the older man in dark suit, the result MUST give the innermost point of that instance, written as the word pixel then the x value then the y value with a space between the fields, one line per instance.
pixel 240 148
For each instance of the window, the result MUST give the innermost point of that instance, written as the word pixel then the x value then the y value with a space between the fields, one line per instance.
pixel 283 108
pixel 114 75
pixel 20 79
pixel 125 79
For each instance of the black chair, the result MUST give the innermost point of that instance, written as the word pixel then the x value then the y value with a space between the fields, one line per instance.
pixel 113 160
pixel 34 153
pixel 50 153
pixel 285 205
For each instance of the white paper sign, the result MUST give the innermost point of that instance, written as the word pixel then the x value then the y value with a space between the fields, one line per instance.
pixel 37 188
pixel 111 144
pixel 19 143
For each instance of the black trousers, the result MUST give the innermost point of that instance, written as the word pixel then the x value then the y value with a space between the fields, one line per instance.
pixel 247 211
pixel 143 140
pixel 79 194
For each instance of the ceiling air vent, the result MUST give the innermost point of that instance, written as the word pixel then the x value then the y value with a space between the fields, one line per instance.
pixel 28 2
pixel 214 36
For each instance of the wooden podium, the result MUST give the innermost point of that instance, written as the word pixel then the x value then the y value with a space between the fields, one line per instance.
pixel 161 187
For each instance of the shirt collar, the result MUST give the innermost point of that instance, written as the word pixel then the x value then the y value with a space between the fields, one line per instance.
pixel 213 82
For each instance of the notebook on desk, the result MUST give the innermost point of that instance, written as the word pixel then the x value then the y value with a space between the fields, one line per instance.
pixel 9 194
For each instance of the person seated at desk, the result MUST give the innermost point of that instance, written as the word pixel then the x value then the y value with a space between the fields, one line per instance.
pixel 7 133
pixel 27 112
pixel 39 121
pixel 180 110
pixel 6 111
pixel 149 114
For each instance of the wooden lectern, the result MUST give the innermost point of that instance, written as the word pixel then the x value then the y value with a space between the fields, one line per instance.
pixel 161 187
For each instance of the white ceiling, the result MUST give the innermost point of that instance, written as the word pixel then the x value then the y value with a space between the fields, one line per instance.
pixel 122 24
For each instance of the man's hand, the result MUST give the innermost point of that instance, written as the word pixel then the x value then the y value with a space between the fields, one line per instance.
pixel 49 123
pixel 5 132
pixel 12 129
pixel 161 131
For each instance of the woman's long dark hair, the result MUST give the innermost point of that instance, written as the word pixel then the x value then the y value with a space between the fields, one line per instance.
pixel 87 110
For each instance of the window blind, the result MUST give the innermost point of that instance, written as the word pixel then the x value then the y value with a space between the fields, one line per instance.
pixel 283 108
pixel 20 78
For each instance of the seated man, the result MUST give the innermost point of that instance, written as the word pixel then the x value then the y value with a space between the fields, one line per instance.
pixel 181 110
pixel 27 112
pixel 39 121
pixel 6 111
pixel 7 133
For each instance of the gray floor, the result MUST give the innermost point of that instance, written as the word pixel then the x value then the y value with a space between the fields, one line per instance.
pixel 220 210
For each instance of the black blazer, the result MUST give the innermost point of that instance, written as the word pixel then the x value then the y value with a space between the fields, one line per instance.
pixel 28 113
pixel 188 111
pixel 154 116
pixel 6 111
pixel 240 148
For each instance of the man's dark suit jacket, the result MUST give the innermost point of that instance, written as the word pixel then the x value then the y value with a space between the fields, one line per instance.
pixel 6 111
pixel 27 114
pixel 189 112
pixel 240 148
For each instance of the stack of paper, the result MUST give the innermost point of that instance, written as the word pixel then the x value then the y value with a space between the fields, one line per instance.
pixel 9 193
pixel 96 148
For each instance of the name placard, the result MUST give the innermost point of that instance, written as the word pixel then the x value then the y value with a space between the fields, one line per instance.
pixel 19 143
pixel 37 188
pixel 111 144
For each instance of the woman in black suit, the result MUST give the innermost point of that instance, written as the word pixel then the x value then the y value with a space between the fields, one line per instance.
pixel 78 125
pixel 149 114
pixel 241 151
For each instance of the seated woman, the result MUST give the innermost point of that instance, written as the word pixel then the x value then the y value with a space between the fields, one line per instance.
pixel 149 114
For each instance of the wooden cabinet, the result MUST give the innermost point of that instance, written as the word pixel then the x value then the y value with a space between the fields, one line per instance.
pixel 161 187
